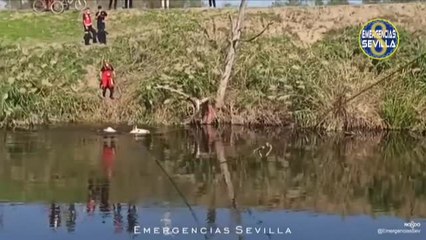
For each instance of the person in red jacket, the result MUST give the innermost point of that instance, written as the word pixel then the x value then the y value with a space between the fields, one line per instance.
pixel 89 31
pixel 107 75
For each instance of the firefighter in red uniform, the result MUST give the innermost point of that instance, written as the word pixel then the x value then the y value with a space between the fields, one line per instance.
pixel 107 75
pixel 89 31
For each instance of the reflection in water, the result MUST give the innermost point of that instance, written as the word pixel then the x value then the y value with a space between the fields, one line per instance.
pixel 108 161
pixel 227 168
pixel 1 216
pixel 167 221
pixel 70 224
pixel 108 156
pixel 118 218
pixel 104 205
pixel 91 201
pixel 132 218
pixel 55 216
pixel 99 187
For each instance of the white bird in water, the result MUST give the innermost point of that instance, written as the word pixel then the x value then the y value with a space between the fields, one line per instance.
pixel 110 130
pixel 139 131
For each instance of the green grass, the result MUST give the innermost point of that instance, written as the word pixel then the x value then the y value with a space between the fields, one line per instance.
pixel 39 28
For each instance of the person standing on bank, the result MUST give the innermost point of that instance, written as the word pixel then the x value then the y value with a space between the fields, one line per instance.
pixel 128 3
pixel 110 4
pixel 89 31
pixel 165 4
pixel 100 22
pixel 107 75
pixel 212 3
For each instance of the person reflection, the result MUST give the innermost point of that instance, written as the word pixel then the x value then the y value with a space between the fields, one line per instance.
pixel 118 219
pixel 132 218
pixel 108 160
pixel 55 216
pixel 91 199
pixel 70 224
pixel 211 219
pixel 108 156
pixel 1 216
pixel 104 206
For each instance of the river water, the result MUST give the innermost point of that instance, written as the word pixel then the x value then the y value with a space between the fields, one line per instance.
pixel 76 183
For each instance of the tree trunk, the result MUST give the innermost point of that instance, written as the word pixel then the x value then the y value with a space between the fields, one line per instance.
pixel 230 57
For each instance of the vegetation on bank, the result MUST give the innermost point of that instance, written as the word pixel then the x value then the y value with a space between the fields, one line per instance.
pixel 276 81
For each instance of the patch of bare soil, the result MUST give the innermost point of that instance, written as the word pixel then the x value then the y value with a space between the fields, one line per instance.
pixel 320 20
pixel 309 24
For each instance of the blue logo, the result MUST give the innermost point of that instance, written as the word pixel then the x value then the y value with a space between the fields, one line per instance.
pixel 379 39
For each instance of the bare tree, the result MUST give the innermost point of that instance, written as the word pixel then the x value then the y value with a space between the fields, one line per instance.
pixel 205 108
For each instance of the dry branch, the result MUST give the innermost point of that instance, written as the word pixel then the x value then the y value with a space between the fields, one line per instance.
pixel 259 34
pixel 196 102
pixel 205 31
pixel 210 37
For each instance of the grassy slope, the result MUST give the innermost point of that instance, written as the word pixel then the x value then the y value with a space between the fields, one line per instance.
pixel 306 60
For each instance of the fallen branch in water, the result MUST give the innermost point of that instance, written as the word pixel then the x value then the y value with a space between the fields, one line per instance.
pixel 264 147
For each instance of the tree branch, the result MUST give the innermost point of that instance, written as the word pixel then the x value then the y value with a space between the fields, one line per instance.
pixel 196 102
pixel 204 30
pixel 259 34
pixel 175 91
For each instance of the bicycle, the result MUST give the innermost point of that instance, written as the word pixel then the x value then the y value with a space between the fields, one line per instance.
pixel 78 4
pixel 55 6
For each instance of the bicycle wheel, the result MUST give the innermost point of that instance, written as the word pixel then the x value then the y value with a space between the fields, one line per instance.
pixel 80 4
pixel 39 6
pixel 57 7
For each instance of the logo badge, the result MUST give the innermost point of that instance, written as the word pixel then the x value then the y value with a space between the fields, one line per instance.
pixel 379 39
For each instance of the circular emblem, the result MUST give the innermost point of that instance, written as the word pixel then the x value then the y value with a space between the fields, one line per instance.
pixel 379 39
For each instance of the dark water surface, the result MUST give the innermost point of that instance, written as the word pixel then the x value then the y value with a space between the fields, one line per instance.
pixel 75 183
